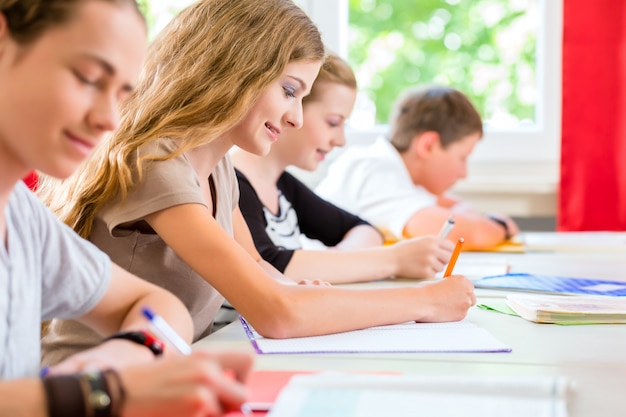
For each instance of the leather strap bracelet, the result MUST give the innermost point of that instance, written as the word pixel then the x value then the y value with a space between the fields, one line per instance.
pixel 142 337
pixel 91 394
pixel 64 396
pixel 507 232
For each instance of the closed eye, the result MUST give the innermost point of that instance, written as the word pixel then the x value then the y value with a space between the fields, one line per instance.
pixel 83 79
pixel 289 92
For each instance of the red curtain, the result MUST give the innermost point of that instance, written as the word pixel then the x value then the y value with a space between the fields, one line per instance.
pixel 593 156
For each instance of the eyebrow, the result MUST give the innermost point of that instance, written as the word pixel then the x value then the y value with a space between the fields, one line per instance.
pixel 108 68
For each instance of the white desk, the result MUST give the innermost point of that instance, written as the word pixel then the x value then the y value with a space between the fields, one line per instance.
pixel 592 357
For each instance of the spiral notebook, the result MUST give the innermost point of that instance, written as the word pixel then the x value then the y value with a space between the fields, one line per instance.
pixel 552 284
pixel 410 337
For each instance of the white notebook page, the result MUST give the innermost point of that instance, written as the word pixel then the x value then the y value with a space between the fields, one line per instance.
pixel 410 337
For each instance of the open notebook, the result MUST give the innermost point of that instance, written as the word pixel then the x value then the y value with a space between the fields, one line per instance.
pixel 410 337
pixel 371 395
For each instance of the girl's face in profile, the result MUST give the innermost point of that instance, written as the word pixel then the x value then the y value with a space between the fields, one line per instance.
pixel 65 87
pixel 278 109
pixel 322 130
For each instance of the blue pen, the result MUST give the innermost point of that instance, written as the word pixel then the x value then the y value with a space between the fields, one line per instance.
pixel 163 330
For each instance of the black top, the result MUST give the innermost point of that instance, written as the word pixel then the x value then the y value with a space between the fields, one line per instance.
pixel 316 217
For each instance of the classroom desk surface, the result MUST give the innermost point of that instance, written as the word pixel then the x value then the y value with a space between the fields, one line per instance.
pixel 592 357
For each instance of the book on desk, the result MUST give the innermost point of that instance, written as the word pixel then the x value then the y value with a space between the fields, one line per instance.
pixel 552 284
pixel 612 242
pixel 568 309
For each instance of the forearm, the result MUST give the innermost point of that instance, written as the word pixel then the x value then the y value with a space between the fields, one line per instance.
pixel 274 273
pixel 359 237
pixel 169 307
pixel 342 266
pixel 22 398
pixel 324 310
pixel 478 231
pixel 120 308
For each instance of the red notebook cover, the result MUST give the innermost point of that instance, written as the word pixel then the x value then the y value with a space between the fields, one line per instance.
pixel 264 386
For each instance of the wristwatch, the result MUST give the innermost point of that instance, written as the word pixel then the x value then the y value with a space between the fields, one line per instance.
pixel 507 232
pixel 142 337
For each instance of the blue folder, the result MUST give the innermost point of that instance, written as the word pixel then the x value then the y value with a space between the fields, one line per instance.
pixel 552 284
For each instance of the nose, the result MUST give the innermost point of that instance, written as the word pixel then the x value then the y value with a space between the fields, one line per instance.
pixel 339 139
pixel 104 115
pixel 293 116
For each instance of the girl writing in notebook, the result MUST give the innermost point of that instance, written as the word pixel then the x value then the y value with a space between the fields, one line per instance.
pixel 280 210
pixel 64 67
pixel 160 196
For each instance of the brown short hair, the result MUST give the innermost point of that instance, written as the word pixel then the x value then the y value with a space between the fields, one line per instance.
pixel 28 19
pixel 444 110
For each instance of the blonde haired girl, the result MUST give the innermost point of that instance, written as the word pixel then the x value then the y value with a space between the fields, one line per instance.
pixel 161 196
pixel 280 210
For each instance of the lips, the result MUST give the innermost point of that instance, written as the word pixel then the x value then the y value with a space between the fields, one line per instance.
pixel 321 154
pixel 84 146
pixel 274 130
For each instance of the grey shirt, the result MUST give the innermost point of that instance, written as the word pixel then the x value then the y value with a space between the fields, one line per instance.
pixel 46 271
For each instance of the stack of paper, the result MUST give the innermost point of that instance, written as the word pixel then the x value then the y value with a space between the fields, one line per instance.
pixel 575 241
pixel 565 309
pixel 362 395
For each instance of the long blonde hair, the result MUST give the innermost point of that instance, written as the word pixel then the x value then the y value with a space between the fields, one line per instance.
pixel 203 73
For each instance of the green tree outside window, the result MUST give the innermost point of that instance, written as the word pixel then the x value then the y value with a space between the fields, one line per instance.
pixel 486 48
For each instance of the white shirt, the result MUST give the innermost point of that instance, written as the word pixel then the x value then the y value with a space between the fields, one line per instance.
pixel 373 182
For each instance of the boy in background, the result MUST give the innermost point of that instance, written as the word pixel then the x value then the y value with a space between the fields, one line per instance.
pixel 400 184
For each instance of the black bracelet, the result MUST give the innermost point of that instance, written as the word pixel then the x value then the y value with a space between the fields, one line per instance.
pixel 142 337
pixel 64 396
pixel 507 232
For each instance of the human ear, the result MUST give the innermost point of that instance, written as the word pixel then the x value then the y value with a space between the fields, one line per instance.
pixel 425 143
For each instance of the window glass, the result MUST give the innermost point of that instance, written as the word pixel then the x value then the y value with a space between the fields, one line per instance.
pixel 486 48
pixel 159 12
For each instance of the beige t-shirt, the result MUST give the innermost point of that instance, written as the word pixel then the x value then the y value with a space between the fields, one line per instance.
pixel 139 250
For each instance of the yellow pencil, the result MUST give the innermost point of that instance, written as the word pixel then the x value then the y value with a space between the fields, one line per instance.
pixel 455 256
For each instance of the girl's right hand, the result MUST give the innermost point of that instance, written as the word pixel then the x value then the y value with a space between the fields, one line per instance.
pixel 421 257
pixel 449 299
pixel 198 385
